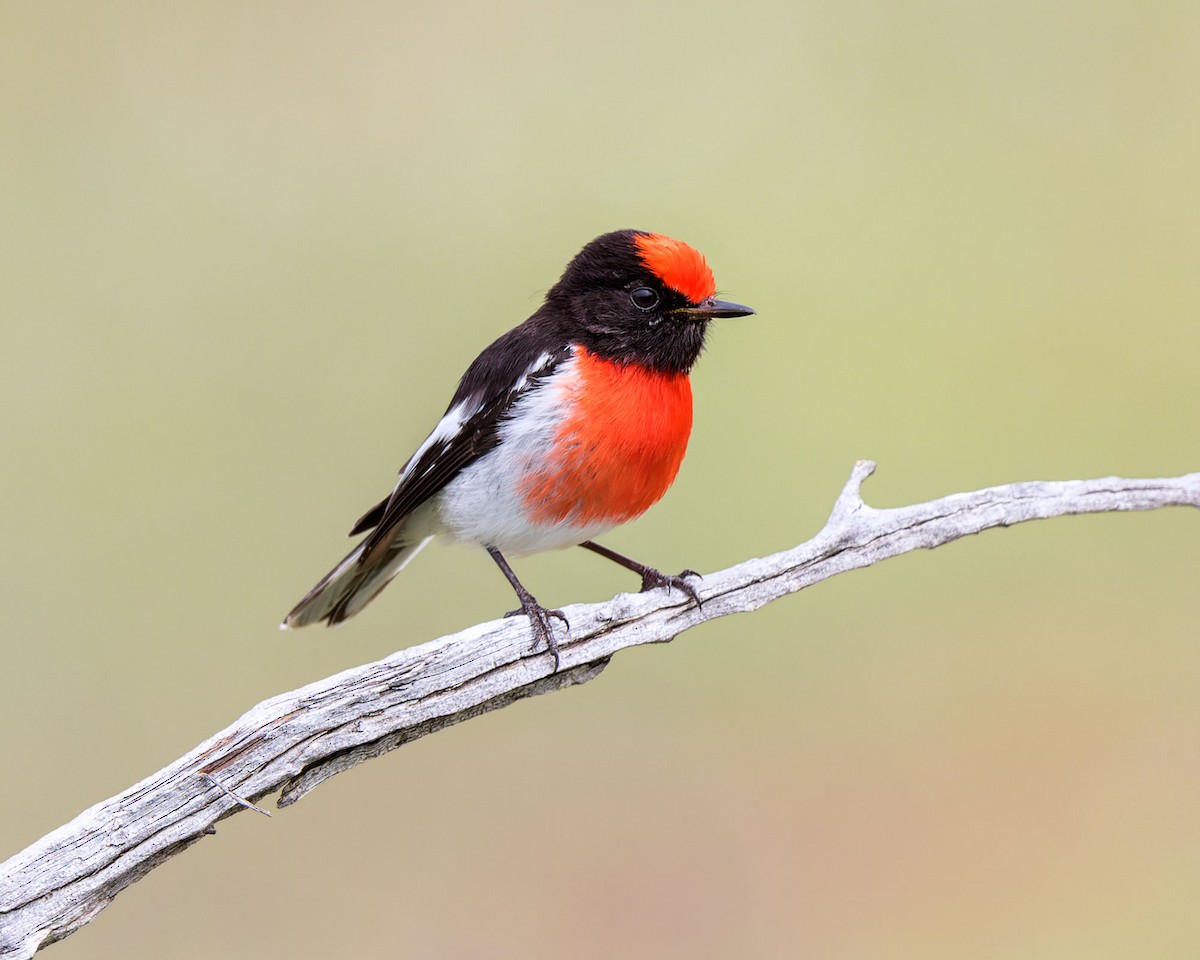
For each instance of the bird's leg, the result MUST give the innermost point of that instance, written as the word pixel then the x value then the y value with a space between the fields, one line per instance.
pixel 539 616
pixel 651 578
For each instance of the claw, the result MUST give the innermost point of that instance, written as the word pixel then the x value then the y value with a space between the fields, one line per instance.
pixel 652 579
pixel 543 630
pixel 539 616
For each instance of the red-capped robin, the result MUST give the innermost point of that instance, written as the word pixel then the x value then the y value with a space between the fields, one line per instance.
pixel 566 426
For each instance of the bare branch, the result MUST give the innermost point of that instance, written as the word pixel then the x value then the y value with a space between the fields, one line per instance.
pixel 294 741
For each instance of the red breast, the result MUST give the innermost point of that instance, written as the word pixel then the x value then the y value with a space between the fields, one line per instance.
pixel 619 447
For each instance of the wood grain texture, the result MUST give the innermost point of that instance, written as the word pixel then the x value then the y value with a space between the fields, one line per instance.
pixel 293 742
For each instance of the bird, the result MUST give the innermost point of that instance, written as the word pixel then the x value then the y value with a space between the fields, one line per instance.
pixel 566 426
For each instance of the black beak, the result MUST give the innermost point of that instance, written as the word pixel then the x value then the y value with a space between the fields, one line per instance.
pixel 711 309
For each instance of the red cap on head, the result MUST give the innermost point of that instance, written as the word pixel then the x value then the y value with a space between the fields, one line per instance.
pixel 679 266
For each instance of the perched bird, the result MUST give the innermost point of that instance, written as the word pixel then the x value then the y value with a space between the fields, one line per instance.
pixel 566 426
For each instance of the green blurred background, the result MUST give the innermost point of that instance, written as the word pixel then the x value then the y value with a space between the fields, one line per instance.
pixel 246 251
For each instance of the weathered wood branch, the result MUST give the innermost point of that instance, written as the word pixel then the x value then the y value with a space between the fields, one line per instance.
pixel 294 741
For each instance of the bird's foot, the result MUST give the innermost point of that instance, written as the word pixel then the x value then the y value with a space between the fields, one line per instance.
pixel 543 629
pixel 652 579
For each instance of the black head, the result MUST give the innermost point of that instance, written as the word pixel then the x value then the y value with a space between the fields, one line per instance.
pixel 643 298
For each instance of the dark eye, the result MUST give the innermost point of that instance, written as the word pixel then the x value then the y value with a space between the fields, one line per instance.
pixel 644 298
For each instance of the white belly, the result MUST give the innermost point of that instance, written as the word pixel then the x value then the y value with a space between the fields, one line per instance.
pixel 484 505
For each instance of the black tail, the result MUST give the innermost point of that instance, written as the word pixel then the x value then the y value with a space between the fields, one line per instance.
pixel 351 585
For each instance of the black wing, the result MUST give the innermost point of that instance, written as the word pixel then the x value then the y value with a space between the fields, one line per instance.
pixel 512 366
